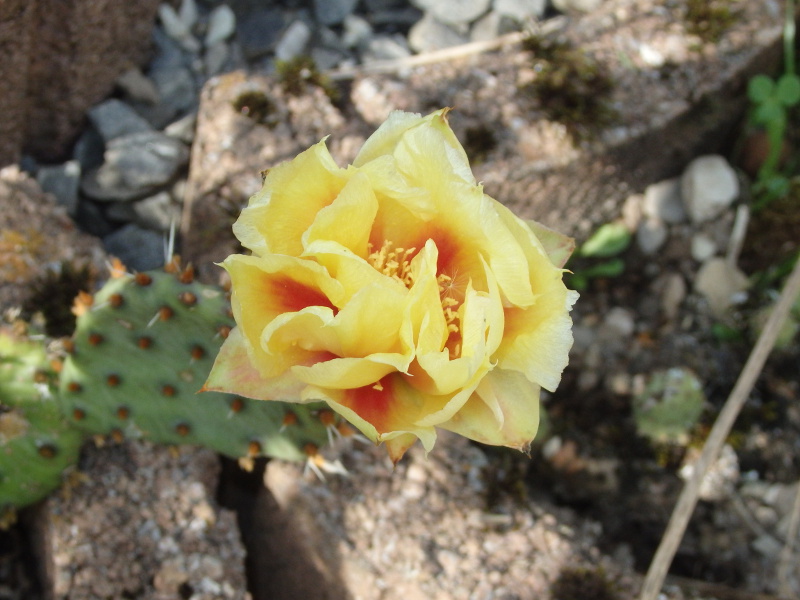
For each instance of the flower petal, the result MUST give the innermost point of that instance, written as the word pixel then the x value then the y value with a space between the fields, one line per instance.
pixel 265 288
pixel 557 246
pixel 233 372
pixel 348 219
pixel 538 339
pixel 293 193
pixel 384 411
pixel 398 125
pixel 504 411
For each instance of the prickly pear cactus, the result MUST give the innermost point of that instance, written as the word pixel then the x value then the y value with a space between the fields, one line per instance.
pixel 36 444
pixel 670 405
pixel 142 349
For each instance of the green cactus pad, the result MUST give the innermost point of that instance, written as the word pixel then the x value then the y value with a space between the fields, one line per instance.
pixel 139 356
pixel 670 405
pixel 36 443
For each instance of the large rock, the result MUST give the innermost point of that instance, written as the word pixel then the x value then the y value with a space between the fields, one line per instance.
pixel 15 45
pixel 35 235
pixel 59 58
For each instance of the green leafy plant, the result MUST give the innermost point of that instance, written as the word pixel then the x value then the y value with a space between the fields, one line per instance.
pixel 772 100
pixel 598 257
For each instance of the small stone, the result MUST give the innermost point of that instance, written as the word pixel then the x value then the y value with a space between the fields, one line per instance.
pixel 651 56
pixel 584 6
pixel 215 58
pixel 520 10
pixel 430 34
pixel 709 186
pixel 632 211
pixel 157 212
pixel 89 148
pixel 138 248
pixel 136 86
pixel 486 28
pixel 385 47
pixel 333 12
pixel 62 181
pixel 357 31
pixel 662 201
pixel 720 282
pixel 651 235
pixel 172 23
pixel 703 247
pixel 179 27
pixel 455 12
pixel 183 128
pixel 113 118
pixel 134 165
pixel 294 40
pixel 221 25
pixel 188 13
pixel 327 58
pixel 768 546
pixel 619 383
pixel 618 324
pixel 259 31
pixel 671 289
pixel 721 478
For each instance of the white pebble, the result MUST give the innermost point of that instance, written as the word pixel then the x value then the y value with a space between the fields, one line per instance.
pixel 221 25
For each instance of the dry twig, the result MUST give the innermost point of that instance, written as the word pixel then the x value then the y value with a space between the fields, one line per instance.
pixel 716 439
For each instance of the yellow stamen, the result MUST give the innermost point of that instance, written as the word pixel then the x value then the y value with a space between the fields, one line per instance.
pixel 394 263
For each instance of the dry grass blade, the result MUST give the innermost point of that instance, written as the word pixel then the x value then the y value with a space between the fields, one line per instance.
pixel 454 52
pixel 722 427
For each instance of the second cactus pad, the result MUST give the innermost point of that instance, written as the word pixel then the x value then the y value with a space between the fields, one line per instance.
pixel 142 349
pixel 36 444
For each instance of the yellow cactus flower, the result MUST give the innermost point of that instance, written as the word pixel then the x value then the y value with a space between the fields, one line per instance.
pixel 398 292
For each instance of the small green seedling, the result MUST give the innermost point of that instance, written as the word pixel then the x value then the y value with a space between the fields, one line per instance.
pixel 602 250
pixel 772 99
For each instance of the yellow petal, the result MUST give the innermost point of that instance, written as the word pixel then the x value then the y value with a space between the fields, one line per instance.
pixel 348 269
pixel 504 411
pixel 557 246
pixel 373 321
pixel 345 373
pixel 429 155
pixel 293 193
pixel 265 288
pixel 538 339
pixel 397 125
pixel 386 410
pixel 398 444
pixel 233 372
pixel 348 219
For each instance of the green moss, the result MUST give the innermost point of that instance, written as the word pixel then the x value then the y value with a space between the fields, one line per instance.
pixel 582 583
pixel 301 71
pixel 257 106
pixel 709 19
pixel 570 86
